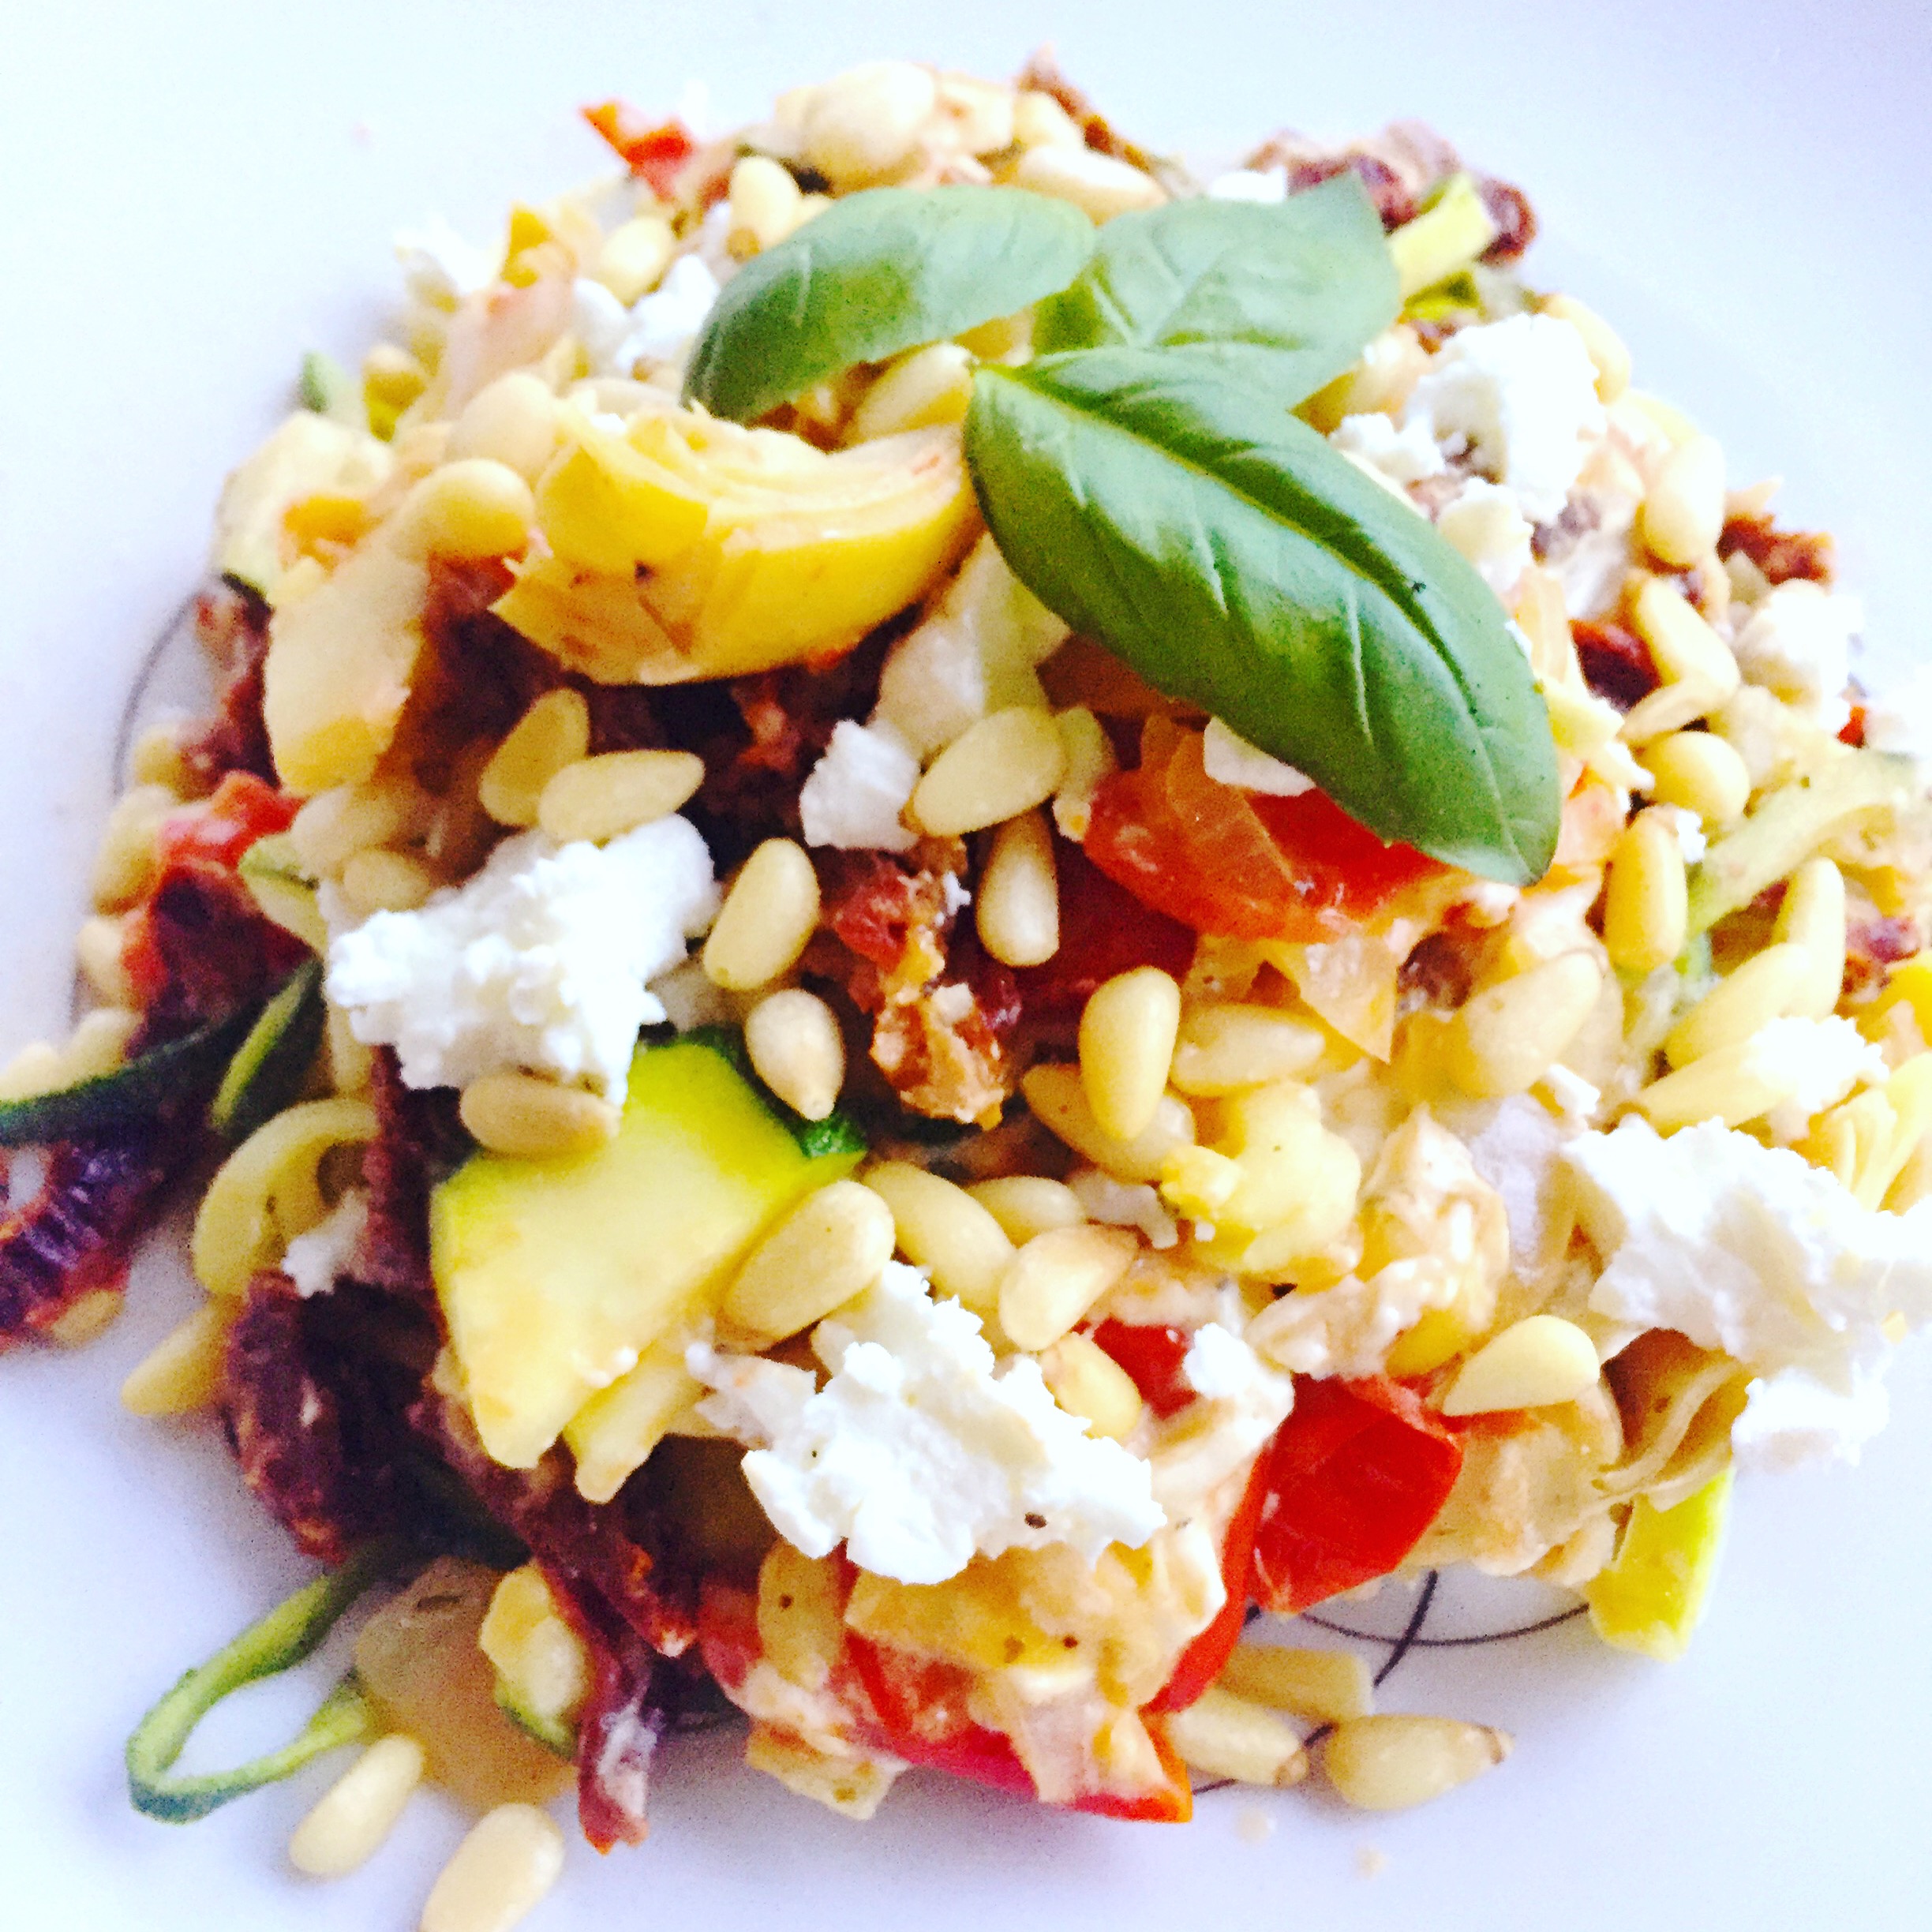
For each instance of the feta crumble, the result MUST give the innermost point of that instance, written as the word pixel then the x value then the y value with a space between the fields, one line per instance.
pixel 541 961
pixel 1403 455
pixel 920 1452
pixel 314 1260
pixel 1692 841
pixel 1234 762
pixel 1125 1204
pixel 1520 396
pixel 658 327
pixel 1817 1062
pixel 853 795
pixel 1752 1250
pixel 440 267
pixel 1797 643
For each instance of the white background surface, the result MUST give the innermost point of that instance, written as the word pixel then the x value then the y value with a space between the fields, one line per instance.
pixel 191 194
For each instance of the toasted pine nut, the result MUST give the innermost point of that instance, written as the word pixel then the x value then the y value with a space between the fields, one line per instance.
pixel 797 1051
pixel 1696 665
pixel 1227 1736
pixel 1646 896
pixel 1087 1382
pixel 801 1625
pixel 612 1436
pixel 99 1044
pixel 468 510
pixel 1768 986
pixel 1328 1686
pixel 1096 184
pixel 1532 1364
pixel 1040 121
pixel 863 124
pixel 1813 916
pixel 97 948
pixel 1127 1034
pixel 931 385
pixel 1057 1277
pixel 347 1824
pixel 764 202
pixel 525 1635
pixel 1005 765
pixel 392 379
pixel 1606 347
pixel 501 1872
pixel 553 733
pixel 182 1372
pixel 1017 909
pixel 36 1069
pixel 1387 1764
pixel 769 915
pixel 123 866
pixel 382 881
pixel 533 1119
pixel 1227 1046
pixel 1089 759
pixel 1057 1095
pixel 943 1230
pixel 634 256
pixel 834 1244
pixel 335 825
pixel 1683 515
pixel 1729 1083
pixel 1702 771
pixel 1506 1038
pixel 601 798
pixel 350 1062
pixel 512 421
pixel 83 1320
pixel 1025 1205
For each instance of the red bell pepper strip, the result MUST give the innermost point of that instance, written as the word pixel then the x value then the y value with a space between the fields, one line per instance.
pixel 241 810
pixel 1152 1357
pixel 1354 1477
pixel 655 154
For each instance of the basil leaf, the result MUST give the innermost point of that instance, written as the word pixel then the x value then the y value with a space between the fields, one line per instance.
pixel 1285 295
pixel 1227 553
pixel 878 272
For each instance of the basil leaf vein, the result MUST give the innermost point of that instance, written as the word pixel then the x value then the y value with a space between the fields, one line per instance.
pixel 1234 559
pixel 1285 295
pixel 880 272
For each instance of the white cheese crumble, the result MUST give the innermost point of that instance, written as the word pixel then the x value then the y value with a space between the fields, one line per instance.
pixel 1752 1250
pixel 1901 719
pixel 1520 395
pixel 920 1451
pixel 1797 643
pixel 1516 1150
pixel 541 961
pixel 1484 521
pixel 1197 1457
pixel 1266 186
pixel 1125 1204
pixel 1817 1062
pixel 852 797
pixel 1403 455
pixel 1234 762
pixel 659 328
pixel 314 1260
pixel 1692 841
pixel 440 267
pixel 601 324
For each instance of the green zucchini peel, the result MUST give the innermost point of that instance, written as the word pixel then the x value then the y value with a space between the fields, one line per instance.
pixel 266 1072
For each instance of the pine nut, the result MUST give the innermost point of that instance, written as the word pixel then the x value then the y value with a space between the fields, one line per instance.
pixel 1017 909
pixel 1057 1277
pixel 124 868
pixel 1646 896
pixel 382 881
pixel 182 1372
pixel 1025 1205
pixel 1768 986
pixel 612 1436
pixel 1606 347
pixel 99 1044
pixel 1728 1085
pixel 1098 185
pixel 468 511
pixel 1227 1046
pixel 333 825
pixel 1531 1365
pixel 156 759
pixel 525 1635
pixel 1057 1095
pixel 1003 765
pixel 981 113
pixel 346 1825
pixel 1087 1382
pixel 1702 771
pixel 801 1624
pixel 85 1319
pixel 1089 759
pixel 1127 1034
pixel 553 734
pixel 97 949
pixel 1040 121
pixel 769 915
pixel 864 124
pixel 634 256
pixel 1683 515
pixel 797 1051
pixel 392 379
pixel 603 797
pixel 532 1119
pixel 931 385
pixel 35 1070
pixel 1813 917
pixel 1328 1686
pixel 764 202
pixel 833 1246
pixel 350 1062
pixel 1227 1736
pixel 943 1230
pixel 1698 671
pixel 512 422
pixel 502 1871
pixel 1387 1764
pixel 1505 1039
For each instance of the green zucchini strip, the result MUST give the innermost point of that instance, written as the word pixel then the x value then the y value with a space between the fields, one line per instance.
pixel 266 1072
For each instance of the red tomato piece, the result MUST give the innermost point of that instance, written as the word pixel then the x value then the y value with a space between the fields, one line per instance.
pixel 655 155
pixel 1153 1358
pixel 1354 1477
pixel 1852 731
pixel 1104 930
pixel 1200 1663
pixel 243 810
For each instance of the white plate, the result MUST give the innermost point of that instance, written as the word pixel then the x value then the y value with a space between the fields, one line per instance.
pixel 196 193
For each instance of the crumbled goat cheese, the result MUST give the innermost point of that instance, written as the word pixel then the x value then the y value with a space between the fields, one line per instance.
pixel 1520 396
pixel 1797 643
pixel 1483 522
pixel 1125 1204
pixel 542 961
pixel 440 267
pixel 1817 1062
pixel 1752 1250
pixel 1219 1366
pixel 1901 719
pixel 1403 455
pixel 1234 762
pixel 1515 1150
pixel 659 328
pixel 1573 1096
pixel 852 797
pixel 920 1451
pixel 601 324
pixel 1691 839
pixel 314 1260
pixel 1263 185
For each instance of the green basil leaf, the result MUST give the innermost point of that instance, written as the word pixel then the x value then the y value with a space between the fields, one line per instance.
pixel 1285 295
pixel 878 272
pixel 1227 553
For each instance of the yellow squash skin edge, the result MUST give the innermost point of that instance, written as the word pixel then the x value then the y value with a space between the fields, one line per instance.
pixel 555 1276
pixel 1651 1595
